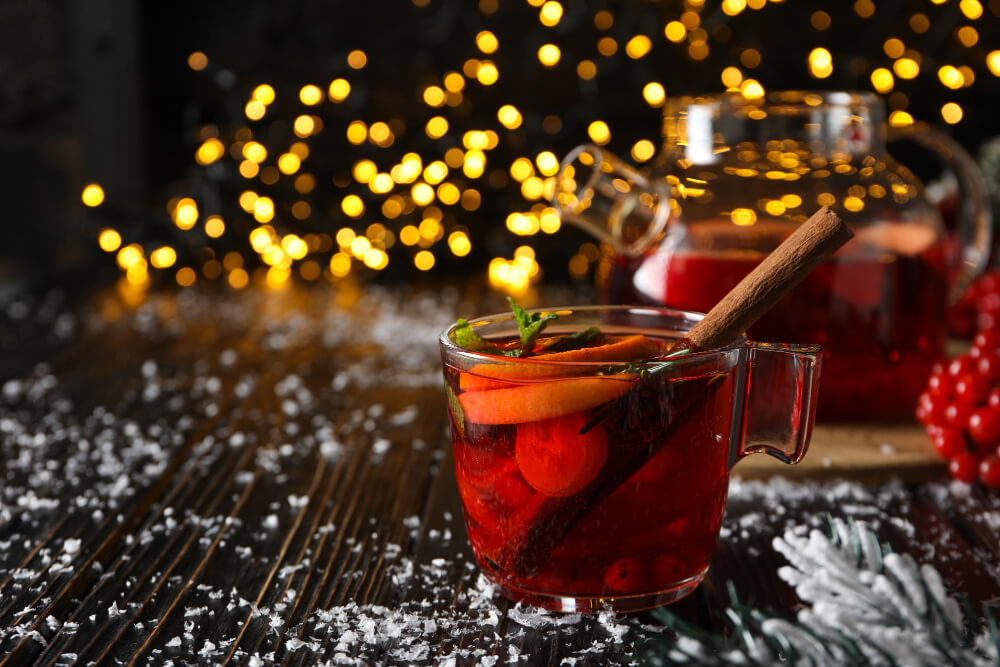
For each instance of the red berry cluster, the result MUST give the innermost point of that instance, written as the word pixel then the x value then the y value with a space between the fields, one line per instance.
pixel 961 411
pixel 979 307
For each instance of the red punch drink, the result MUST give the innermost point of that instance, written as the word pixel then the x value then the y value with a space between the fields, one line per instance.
pixel 597 477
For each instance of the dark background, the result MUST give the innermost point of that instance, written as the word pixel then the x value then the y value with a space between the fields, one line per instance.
pixel 100 91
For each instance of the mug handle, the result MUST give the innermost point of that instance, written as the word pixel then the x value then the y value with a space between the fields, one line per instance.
pixel 975 230
pixel 775 407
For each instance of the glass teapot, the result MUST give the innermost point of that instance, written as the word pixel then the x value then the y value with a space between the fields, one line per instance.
pixel 736 176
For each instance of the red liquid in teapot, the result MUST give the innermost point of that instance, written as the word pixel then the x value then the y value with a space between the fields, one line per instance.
pixel 879 317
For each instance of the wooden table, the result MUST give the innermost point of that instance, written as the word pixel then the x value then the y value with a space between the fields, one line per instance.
pixel 263 475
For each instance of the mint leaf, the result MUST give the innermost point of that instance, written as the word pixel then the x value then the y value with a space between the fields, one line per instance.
pixel 529 324
pixel 530 335
pixel 523 317
pixel 467 339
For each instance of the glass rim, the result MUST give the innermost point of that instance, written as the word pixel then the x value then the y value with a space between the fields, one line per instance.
pixel 449 346
pixel 795 98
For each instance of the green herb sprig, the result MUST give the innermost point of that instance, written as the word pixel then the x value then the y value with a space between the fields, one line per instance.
pixel 530 326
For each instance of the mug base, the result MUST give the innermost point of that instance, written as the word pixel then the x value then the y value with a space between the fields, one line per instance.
pixel 598 603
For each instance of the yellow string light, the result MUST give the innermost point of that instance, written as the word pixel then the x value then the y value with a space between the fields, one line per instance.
pixel 339 89
pixel 109 240
pixel 487 42
pixel 638 46
pixel 92 195
pixel 549 55
pixel 509 116
pixel 820 63
pixel 882 80
pixel 952 113
pixel 654 94
pixel 264 93
pixel 550 13
pixel 197 61
pixel 599 132
pixel 675 31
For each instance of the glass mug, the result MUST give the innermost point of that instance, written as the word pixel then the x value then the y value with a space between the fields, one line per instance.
pixel 735 177
pixel 602 485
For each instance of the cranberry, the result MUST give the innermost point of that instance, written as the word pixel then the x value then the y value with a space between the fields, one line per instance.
pixel 989 366
pixel 972 388
pixel 924 414
pixel 988 282
pixel 949 442
pixel 993 400
pixel 987 339
pixel 939 367
pixel 957 414
pixel 941 384
pixel 625 575
pixel 668 569
pixel 963 467
pixel 989 471
pixel 986 320
pixel 960 366
pixel 988 301
pixel 984 427
pixel 930 410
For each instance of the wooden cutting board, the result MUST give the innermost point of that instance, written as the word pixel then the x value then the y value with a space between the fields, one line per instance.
pixel 855 451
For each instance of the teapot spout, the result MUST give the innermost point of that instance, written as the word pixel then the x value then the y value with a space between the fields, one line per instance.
pixel 612 200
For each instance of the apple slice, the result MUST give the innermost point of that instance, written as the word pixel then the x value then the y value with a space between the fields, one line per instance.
pixel 541 400
pixel 497 376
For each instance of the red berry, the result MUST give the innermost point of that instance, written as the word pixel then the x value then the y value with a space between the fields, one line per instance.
pixel 988 282
pixel 924 414
pixel 949 442
pixel 930 412
pixel 989 471
pixel 984 427
pixel 957 414
pixel 960 366
pixel 941 384
pixel 667 570
pixel 989 366
pixel 988 339
pixel 939 367
pixel 963 467
pixel 972 389
pixel 993 400
pixel 625 575
pixel 987 320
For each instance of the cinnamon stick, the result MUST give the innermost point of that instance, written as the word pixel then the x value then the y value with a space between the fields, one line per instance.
pixel 551 519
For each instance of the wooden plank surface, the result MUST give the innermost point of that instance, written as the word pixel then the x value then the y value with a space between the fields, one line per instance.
pixel 857 451
pixel 263 475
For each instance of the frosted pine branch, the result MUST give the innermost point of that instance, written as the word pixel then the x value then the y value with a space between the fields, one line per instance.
pixel 863 604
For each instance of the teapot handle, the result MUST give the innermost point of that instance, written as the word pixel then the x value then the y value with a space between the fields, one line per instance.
pixel 612 200
pixel 975 229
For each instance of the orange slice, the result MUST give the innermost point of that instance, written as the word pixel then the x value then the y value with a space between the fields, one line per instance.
pixel 496 376
pixel 541 400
